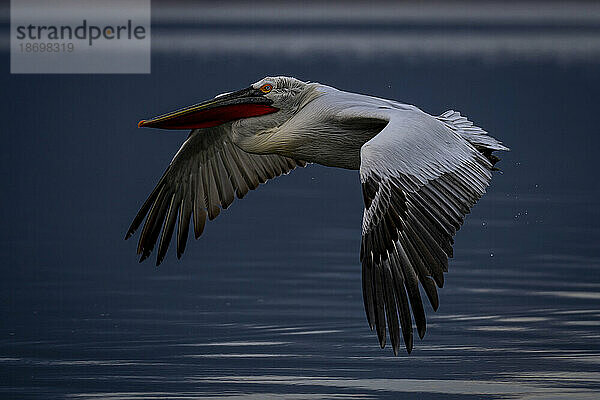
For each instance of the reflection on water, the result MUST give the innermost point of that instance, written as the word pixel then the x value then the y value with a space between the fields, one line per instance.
pixel 229 396
pixel 500 333
pixel 510 387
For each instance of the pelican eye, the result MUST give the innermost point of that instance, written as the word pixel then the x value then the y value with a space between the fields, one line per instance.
pixel 266 88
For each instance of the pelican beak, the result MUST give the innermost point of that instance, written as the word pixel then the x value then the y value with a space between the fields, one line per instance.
pixel 245 103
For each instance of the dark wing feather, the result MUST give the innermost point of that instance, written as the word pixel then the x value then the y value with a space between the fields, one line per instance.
pixel 204 177
pixel 419 180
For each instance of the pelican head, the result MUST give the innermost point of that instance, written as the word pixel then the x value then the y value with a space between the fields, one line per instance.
pixel 264 105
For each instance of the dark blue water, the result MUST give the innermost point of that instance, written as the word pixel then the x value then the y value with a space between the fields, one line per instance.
pixel 268 303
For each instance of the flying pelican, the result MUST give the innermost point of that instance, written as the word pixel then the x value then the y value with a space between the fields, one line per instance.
pixel 420 176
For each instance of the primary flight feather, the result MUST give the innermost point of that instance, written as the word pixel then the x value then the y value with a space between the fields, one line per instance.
pixel 420 176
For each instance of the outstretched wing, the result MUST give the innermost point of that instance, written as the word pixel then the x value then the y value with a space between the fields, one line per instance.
pixel 420 176
pixel 207 172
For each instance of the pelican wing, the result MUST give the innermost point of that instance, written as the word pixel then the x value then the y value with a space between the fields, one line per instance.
pixel 420 176
pixel 205 175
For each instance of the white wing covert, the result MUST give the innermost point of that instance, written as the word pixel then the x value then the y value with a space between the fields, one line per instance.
pixel 420 176
pixel 207 172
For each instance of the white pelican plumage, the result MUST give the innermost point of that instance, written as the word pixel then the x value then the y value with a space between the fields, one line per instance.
pixel 420 176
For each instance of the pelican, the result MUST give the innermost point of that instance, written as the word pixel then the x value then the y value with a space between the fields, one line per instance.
pixel 420 176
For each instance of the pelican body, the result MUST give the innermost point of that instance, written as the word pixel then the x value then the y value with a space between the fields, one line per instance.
pixel 420 176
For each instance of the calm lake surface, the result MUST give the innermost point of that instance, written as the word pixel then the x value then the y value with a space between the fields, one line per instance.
pixel 268 303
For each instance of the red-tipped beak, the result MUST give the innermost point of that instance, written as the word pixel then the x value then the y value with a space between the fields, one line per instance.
pixel 245 103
